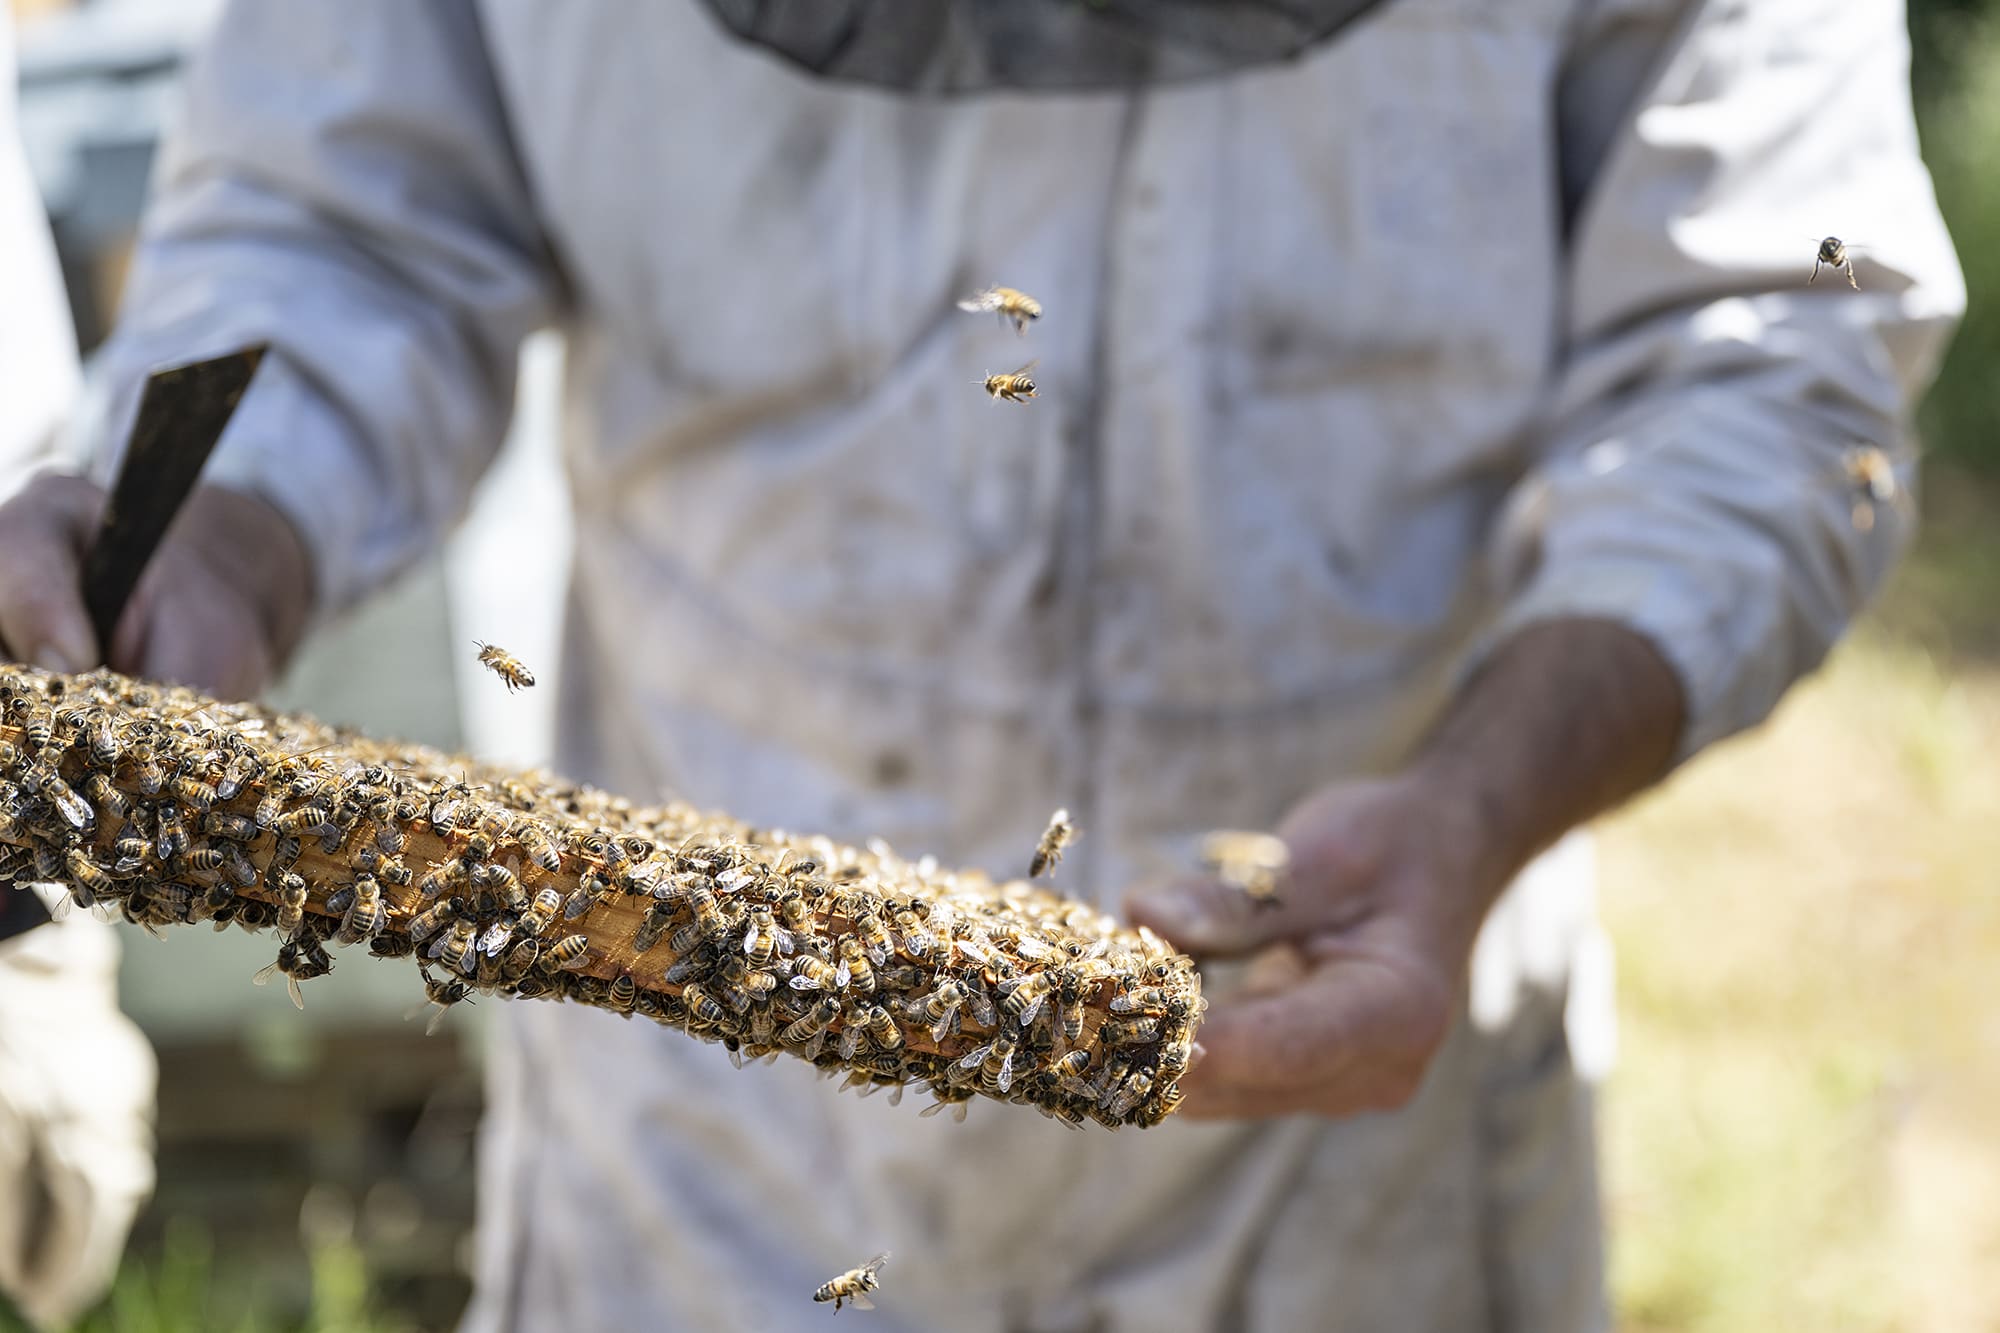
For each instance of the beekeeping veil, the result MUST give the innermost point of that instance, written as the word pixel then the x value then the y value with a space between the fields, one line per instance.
pixel 971 46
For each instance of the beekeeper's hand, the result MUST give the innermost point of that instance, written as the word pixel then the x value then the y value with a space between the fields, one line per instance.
pixel 220 607
pixel 1358 975
pixel 76 1101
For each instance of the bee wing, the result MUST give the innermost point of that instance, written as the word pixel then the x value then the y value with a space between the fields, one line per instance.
pixel 875 1264
pixel 437 1020
pixel 264 974
pixel 298 996
pixel 1022 371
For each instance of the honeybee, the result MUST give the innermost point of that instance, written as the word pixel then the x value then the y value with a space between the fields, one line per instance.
pixel 391 945
pixel 192 791
pixel 815 973
pixel 506 885
pixel 433 919
pixel 1833 253
pixel 860 972
pixel 1068 1072
pixel 1129 1031
pixel 453 948
pixel 624 991
pixel 540 849
pixel 1252 863
pixel 701 1005
pixel 940 1009
pixel 102 731
pixel 652 926
pixel 520 960
pixel 1022 999
pixel 87 877
pixel 571 953
pixel 442 994
pixel 764 937
pixel 854 1285
pixel 542 911
pixel 236 828
pixel 1148 999
pixel 1058 835
pixel 1008 303
pixel 1872 477
pixel 1016 386
pixel 946 1096
pixel 980 1003
pixel 874 937
pixel 131 852
pixel 918 942
pixel 994 1061
pixel 206 860
pixel 105 793
pixel 880 1028
pixel 146 770
pixel 292 891
pixel 505 665
pixel 43 779
pixel 295 959
pixel 1128 1095
pixel 809 1030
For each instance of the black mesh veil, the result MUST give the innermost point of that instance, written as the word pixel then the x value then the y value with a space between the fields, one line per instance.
pixel 971 46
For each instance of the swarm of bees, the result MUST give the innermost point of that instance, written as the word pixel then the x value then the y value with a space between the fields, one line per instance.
pixel 174 809
pixel 505 665
pixel 854 1285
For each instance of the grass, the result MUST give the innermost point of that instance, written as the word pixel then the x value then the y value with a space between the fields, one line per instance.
pixel 1799 1132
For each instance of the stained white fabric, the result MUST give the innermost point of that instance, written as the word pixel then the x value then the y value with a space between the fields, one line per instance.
pixel 76 1077
pixel 1483 314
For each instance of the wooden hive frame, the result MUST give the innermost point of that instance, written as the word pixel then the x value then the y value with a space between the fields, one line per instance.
pixel 177 808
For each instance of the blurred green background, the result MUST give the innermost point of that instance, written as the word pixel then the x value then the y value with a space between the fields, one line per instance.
pixel 1799 1134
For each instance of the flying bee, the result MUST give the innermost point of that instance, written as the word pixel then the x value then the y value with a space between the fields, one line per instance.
pixel 1022 999
pixel 940 1009
pixel 571 953
pixel 1058 835
pixel 547 902
pixel 1014 387
pixel 443 995
pixel 1128 1094
pixel 874 936
pixel 453 948
pixel 433 919
pixel 1254 864
pixel 854 1285
pixel 994 1061
pixel 102 790
pixel 1871 476
pixel 1008 303
pixel 763 938
pixel 505 665
pixel 1833 254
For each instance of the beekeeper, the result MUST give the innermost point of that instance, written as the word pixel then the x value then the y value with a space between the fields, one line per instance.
pixel 76 1077
pixel 1438 439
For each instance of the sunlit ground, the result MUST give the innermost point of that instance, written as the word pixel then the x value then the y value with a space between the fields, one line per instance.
pixel 1804 1131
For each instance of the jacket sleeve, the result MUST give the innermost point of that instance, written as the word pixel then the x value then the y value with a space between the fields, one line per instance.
pixel 1690 482
pixel 341 184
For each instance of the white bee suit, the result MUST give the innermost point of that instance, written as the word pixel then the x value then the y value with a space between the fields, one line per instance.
pixel 1481 314
pixel 76 1076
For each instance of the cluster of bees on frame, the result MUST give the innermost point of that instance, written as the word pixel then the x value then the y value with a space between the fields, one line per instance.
pixel 174 809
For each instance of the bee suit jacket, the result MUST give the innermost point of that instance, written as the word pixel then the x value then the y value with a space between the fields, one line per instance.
pixel 1477 315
